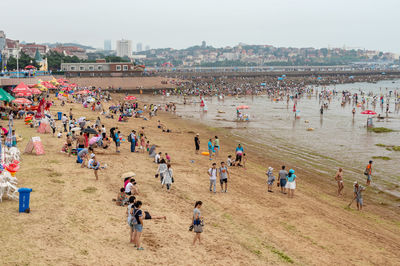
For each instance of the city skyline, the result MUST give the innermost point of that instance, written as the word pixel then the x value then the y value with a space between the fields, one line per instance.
pixel 284 23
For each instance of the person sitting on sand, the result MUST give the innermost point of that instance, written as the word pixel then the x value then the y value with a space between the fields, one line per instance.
pixel 106 143
pixel 157 158
pixel 230 161
pixel 121 197
pixel 130 188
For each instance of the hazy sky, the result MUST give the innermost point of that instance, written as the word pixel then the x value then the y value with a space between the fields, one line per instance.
pixel 370 24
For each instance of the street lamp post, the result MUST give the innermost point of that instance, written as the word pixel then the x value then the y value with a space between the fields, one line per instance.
pixel 17 60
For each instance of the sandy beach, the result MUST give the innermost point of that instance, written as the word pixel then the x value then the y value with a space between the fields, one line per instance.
pixel 73 220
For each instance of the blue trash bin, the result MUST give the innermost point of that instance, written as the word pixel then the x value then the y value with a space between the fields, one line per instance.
pixel 78 159
pixel 24 195
pixel 59 115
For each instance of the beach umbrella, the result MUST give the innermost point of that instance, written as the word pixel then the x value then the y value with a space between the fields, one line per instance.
pixel 242 107
pixel 83 92
pixel 5 96
pixel 36 91
pixel 94 140
pixel 128 175
pixel 21 88
pixel 29 67
pixel 24 94
pixel 368 112
pixel 90 130
pixel 130 98
pixel 22 101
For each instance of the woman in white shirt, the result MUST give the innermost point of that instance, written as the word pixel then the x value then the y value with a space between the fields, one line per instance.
pixel 162 168
pixel 168 177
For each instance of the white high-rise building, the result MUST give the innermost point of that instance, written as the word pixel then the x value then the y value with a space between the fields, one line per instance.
pixel 139 47
pixel 124 48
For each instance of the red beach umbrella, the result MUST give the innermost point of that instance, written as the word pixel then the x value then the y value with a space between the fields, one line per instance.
pixel 21 101
pixel 130 98
pixel 23 94
pixel 368 112
pixel 82 92
pixel 242 107
pixel 22 87
pixel 36 91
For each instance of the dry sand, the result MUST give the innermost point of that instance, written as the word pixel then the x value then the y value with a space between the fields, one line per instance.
pixel 73 220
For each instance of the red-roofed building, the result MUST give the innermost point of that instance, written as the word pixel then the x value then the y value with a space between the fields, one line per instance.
pixel 71 51
pixel 30 49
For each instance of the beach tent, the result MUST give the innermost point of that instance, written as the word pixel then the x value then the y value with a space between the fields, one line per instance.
pixel 44 128
pixel 5 96
pixel 35 144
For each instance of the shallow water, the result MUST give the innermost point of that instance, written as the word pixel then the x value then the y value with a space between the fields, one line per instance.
pixel 337 140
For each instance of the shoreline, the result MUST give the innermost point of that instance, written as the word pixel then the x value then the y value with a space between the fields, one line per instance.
pixel 73 216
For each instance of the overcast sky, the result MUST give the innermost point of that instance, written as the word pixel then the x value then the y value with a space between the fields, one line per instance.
pixel 370 24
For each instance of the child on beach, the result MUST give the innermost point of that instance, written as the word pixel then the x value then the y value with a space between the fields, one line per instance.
pixel 210 148
pixel 148 146
pixel 168 157
pixel 230 161
pixel 121 198
pixel 271 178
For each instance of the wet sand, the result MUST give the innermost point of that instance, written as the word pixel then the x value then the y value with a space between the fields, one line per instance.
pixel 74 221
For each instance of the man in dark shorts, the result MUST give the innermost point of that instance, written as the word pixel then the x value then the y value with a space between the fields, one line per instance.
pixel 223 177
pixel 197 143
pixel 282 179
pixel 81 141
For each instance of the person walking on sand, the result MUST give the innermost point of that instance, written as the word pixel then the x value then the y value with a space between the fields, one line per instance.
pixel 291 183
pixel 168 178
pixel 132 140
pixel 212 173
pixel 368 173
pixel 117 141
pixel 239 154
pixel 197 143
pixel 210 148
pixel 358 189
pixel 69 144
pixel 271 178
pixel 339 179
pixel 216 146
pixel 197 222
pixel 129 212
pixel 138 217
pixel 223 177
pixel 282 179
